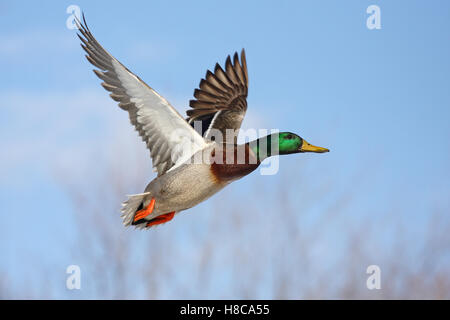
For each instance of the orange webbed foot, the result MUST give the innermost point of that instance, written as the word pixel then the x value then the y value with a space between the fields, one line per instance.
pixel 161 219
pixel 141 214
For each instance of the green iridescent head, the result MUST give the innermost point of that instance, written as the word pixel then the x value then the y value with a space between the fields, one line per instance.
pixel 287 143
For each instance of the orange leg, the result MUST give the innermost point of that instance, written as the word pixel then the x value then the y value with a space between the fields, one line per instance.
pixel 141 214
pixel 161 219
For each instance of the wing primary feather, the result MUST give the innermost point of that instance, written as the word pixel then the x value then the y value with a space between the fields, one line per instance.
pixel 108 86
pixel 221 75
pixel 230 72
pixel 95 63
pixel 244 66
pixel 206 96
pixel 207 85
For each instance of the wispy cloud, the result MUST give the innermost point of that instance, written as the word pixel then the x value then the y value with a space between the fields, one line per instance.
pixel 16 46
pixel 43 130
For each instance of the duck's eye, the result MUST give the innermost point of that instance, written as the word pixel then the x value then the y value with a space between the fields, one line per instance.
pixel 289 136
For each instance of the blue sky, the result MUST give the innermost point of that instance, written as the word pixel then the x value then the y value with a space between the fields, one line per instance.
pixel 379 99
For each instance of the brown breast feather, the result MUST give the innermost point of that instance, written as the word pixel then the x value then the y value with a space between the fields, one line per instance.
pixel 231 162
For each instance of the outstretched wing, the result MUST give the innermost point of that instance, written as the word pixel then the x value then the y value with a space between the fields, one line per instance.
pixel 170 139
pixel 221 100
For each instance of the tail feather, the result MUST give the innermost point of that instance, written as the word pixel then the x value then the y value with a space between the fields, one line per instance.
pixel 130 206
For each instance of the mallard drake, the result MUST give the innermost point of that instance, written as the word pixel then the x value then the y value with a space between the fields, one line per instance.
pixel 191 162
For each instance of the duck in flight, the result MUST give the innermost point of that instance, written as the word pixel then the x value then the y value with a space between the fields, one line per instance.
pixel 191 162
